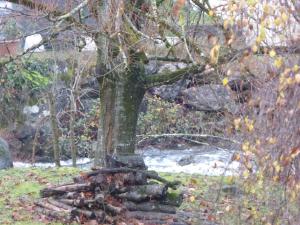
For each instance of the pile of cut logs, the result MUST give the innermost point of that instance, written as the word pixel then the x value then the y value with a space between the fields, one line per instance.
pixel 118 195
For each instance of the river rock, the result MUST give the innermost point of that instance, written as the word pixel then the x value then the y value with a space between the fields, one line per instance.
pixel 209 98
pixel 170 92
pixel 231 189
pixel 5 156
pixel 186 160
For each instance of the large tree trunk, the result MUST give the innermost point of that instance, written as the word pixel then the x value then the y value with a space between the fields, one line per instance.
pixel 120 96
pixel 120 74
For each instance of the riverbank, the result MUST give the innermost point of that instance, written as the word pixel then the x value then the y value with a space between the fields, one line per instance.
pixel 202 160
pixel 208 200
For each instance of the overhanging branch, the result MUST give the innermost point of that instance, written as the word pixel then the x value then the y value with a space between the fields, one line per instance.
pixel 168 59
pixel 170 77
pixel 206 136
pixel 73 11
pixel 201 6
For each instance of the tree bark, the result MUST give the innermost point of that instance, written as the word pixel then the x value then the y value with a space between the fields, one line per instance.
pixel 72 128
pixel 55 130
pixel 102 43
pixel 120 96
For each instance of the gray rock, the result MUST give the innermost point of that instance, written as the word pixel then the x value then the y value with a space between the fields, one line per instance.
pixel 170 92
pixel 152 67
pixel 171 67
pixel 186 160
pixel 31 109
pixel 131 161
pixel 5 156
pixel 25 133
pixel 210 98
pixel 89 104
pixel 231 189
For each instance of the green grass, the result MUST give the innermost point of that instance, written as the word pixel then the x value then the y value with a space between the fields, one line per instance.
pixel 202 196
pixel 20 187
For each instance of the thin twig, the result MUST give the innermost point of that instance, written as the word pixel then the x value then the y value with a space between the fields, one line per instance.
pixel 188 135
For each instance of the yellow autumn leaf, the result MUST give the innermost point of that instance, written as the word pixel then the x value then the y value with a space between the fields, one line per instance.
pixel 293 196
pixel 192 198
pixel 252 191
pixel 262 33
pixel 214 54
pixel 272 140
pixel 276 166
pixel 254 48
pixel 252 2
pixel 225 81
pixel 250 127
pixel 225 24
pixel 257 142
pixel 211 13
pixel 266 8
pixel 289 80
pixel 272 53
pixel 236 157
pixel 295 152
pixel 181 20
pixel 237 123
pixel 246 146
pixel 278 62
pixel 284 17
pixel 258 40
pixel 278 21
pixel 276 178
pixel 246 174
pixel 228 208
pixel 295 68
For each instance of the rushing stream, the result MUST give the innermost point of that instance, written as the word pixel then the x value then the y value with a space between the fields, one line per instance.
pixel 201 160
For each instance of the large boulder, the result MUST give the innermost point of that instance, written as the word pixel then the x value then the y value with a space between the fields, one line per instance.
pixel 5 156
pixel 170 92
pixel 209 98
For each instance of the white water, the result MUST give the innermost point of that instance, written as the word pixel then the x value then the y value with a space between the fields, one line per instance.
pixel 205 161
pixel 82 162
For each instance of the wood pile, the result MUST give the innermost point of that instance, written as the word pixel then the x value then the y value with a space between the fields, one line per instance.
pixel 120 195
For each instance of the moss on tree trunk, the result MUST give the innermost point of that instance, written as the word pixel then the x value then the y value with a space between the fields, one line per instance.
pixel 121 95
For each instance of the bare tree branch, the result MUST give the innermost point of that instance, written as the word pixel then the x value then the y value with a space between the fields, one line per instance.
pixel 73 11
pixel 169 59
pixel 170 77
pixel 188 135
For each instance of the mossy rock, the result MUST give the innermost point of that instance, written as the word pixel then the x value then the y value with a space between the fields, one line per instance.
pixel 5 156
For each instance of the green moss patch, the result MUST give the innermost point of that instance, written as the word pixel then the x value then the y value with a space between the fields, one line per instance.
pixel 20 187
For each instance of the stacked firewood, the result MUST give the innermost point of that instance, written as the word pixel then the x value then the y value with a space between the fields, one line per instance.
pixel 122 195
